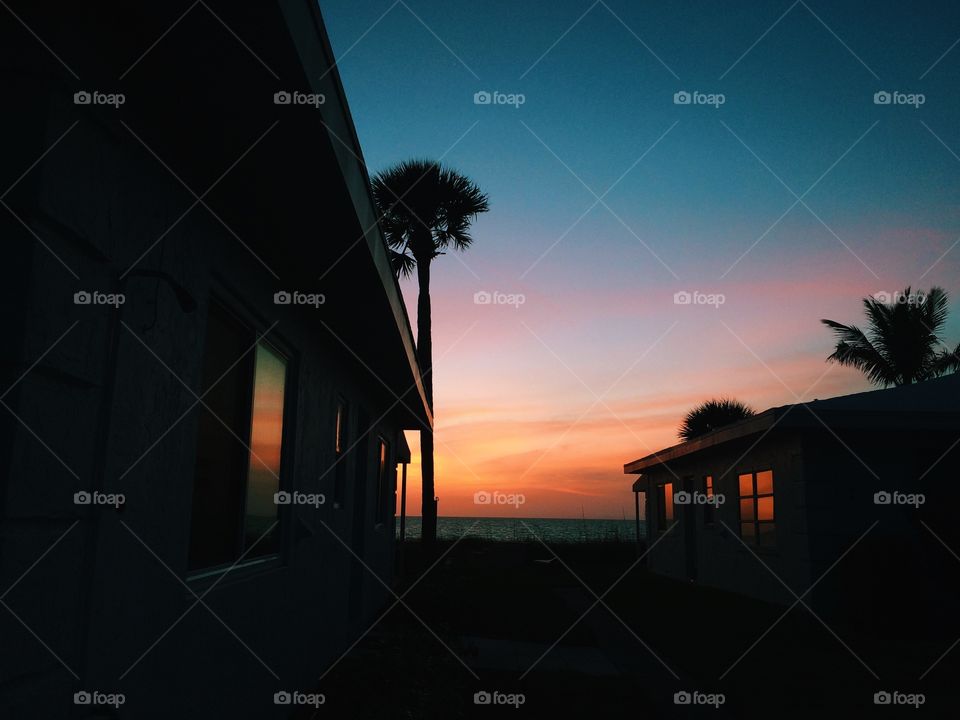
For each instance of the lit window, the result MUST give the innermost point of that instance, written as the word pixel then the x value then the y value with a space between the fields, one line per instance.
pixel 239 439
pixel 383 481
pixel 757 521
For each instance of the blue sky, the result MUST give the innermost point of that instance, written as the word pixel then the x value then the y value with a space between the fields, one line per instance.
pixel 707 198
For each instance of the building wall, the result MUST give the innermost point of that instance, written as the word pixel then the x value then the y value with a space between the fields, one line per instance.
pixel 892 557
pixel 99 400
pixel 723 561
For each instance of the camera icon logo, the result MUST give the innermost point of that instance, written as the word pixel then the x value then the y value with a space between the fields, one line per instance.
pixel 82 698
pixel 882 698
pixel 482 497
pixel 482 297
pixel 882 498
pixel 682 697
pixel 482 698
pixel 82 498
pixel 682 98
pixel 883 297
pixel 282 97
pixel 682 298
pixel 882 97
pixel 281 498
pixel 682 498
pixel 282 698
pixel 282 298
pixel 82 298
pixel 82 98
pixel 482 98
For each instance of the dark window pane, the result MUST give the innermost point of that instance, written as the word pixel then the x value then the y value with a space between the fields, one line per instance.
pixel 266 435
pixel 768 534
pixel 747 530
pixel 746 509
pixel 221 464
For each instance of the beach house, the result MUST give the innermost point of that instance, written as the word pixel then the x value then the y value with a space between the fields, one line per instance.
pixel 207 363
pixel 852 496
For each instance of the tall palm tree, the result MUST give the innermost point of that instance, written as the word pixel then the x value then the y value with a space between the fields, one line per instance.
pixel 425 209
pixel 711 415
pixel 902 344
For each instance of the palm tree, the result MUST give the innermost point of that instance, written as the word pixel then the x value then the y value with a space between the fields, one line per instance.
pixel 711 415
pixel 425 209
pixel 902 344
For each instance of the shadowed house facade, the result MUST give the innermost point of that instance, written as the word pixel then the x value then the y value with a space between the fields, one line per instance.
pixel 843 494
pixel 207 363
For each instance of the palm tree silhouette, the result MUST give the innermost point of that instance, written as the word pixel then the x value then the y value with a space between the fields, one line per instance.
pixel 425 209
pixel 711 415
pixel 902 344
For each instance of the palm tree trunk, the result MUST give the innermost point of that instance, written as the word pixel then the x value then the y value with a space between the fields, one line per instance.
pixel 428 533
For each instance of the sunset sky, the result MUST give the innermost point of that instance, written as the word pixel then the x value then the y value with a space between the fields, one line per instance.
pixel 597 366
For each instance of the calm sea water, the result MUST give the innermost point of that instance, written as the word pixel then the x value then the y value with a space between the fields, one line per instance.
pixel 514 529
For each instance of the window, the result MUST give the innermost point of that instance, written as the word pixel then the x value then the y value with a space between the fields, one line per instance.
pixel 664 506
pixel 757 522
pixel 339 452
pixel 383 480
pixel 709 507
pixel 239 438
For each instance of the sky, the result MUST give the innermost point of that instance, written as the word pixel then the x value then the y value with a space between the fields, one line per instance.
pixel 785 191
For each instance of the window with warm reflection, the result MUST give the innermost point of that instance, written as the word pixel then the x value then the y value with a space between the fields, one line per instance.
pixel 757 521
pixel 239 440
pixel 383 481
pixel 664 506
pixel 709 507
pixel 339 453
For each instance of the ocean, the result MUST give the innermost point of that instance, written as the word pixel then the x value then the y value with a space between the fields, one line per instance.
pixel 548 530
